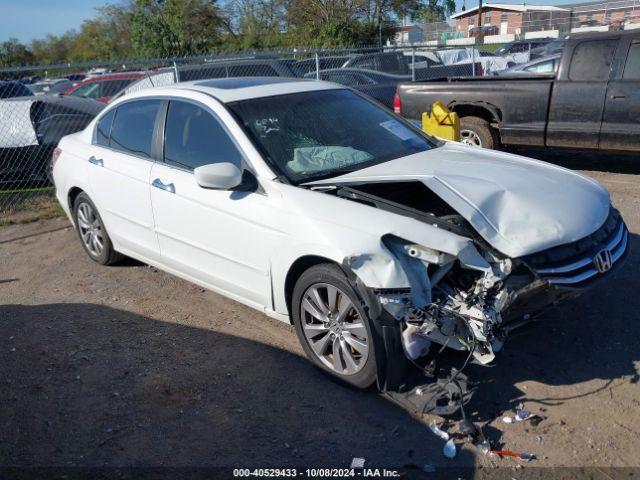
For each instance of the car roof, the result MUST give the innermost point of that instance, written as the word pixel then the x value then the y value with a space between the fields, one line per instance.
pixel 242 88
pixel 111 76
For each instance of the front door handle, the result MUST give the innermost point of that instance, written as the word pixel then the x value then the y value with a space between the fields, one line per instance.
pixel 167 187
pixel 96 161
pixel 618 97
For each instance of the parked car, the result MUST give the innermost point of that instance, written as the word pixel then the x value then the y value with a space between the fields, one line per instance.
pixel 50 87
pixel 251 67
pixel 308 65
pixel 545 65
pixel 377 85
pixel 316 206
pixel 30 128
pixel 14 89
pixel 592 101
pixel 522 46
pixel 104 86
pixel 395 63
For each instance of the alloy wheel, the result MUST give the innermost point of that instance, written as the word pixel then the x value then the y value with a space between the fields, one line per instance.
pixel 91 231
pixel 334 329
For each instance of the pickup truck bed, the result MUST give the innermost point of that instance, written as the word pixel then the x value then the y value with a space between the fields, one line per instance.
pixel 592 102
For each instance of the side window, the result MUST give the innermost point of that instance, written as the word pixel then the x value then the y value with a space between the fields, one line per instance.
pixel 110 87
pixel 542 67
pixel 632 67
pixel 103 129
pixel 592 60
pixel 132 130
pixel 89 90
pixel 194 137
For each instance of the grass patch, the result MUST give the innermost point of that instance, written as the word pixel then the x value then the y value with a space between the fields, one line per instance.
pixel 31 208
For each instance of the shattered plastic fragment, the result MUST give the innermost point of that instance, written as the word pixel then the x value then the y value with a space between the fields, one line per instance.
pixel 507 419
pixel 428 468
pixel 449 449
pixel 523 414
pixel 357 462
pixel 442 434
pixel 510 453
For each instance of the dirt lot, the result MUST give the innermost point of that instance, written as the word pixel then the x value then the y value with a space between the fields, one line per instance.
pixel 129 366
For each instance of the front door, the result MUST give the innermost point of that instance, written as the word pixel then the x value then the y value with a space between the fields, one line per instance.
pixel 221 238
pixel 119 167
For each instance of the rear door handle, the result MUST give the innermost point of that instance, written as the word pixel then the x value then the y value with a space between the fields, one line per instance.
pixel 96 161
pixel 618 97
pixel 167 187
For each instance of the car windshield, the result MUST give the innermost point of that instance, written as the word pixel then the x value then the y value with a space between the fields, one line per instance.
pixel 320 134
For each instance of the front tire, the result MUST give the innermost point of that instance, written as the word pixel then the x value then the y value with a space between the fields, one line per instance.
pixel 476 132
pixel 92 232
pixel 333 325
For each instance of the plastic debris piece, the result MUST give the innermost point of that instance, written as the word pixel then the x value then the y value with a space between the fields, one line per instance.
pixel 468 429
pixel 449 449
pixel 441 433
pixel 357 462
pixel 507 419
pixel 523 414
pixel 484 447
pixel 428 468
pixel 510 453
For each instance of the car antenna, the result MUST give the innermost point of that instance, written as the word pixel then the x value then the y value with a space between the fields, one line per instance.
pixel 149 77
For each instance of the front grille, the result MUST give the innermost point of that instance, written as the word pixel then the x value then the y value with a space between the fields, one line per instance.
pixel 573 264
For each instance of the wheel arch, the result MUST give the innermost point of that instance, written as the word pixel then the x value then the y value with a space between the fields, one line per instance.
pixel 486 111
pixel 297 268
pixel 72 195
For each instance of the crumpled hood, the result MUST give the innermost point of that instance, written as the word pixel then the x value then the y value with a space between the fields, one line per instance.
pixel 520 206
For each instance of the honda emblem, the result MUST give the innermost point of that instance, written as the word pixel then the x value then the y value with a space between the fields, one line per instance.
pixel 602 260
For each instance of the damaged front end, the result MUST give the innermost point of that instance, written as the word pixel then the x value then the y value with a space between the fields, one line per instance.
pixel 466 300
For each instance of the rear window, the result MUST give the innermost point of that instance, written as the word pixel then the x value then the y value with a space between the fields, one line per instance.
pixel 592 60
pixel 132 130
pixel 104 129
pixel 109 88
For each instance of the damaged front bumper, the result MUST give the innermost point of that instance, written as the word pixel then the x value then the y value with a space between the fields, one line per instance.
pixel 470 302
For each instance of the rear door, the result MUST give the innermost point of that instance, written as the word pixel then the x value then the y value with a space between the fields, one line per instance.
pixel 578 96
pixel 621 121
pixel 119 168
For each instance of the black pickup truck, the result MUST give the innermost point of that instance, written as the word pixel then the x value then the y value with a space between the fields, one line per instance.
pixel 592 101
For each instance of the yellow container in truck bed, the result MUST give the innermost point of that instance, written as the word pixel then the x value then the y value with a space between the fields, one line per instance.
pixel 441 122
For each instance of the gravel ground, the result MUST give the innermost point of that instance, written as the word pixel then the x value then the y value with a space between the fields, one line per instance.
pixel 129 366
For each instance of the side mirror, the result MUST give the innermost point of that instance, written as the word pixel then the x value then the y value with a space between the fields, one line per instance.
pixel 218 176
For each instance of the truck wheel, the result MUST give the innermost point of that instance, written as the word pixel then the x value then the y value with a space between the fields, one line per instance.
pixel 477 132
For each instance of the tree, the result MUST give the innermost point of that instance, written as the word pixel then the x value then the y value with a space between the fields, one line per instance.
pixel 15 54
pixel 105 37
pixel 175 27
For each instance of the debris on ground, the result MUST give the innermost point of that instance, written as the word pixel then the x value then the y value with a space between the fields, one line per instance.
pixel 428 468
pixel 523 414
pixel 510 453
pixel 507 419
pixel 449 449
pixel 357 462
pixel 441 433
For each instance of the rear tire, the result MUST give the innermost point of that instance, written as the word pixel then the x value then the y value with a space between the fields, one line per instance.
pixel 333 325
pixel 92 232
pixel 476 132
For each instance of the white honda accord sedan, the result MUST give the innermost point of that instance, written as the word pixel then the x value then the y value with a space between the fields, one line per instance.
pixel 316 206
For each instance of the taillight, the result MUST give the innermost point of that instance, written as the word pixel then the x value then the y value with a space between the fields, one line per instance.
pixel 55 155
pixel 397 104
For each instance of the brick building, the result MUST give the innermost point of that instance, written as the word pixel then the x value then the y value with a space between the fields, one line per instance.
pixel 510 19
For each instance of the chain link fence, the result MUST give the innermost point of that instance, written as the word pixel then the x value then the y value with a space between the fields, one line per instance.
pixel 41 104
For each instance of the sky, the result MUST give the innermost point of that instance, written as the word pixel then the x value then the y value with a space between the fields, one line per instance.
pixel 29 19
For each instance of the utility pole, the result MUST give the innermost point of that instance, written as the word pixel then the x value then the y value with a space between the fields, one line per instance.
pixel 479 33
